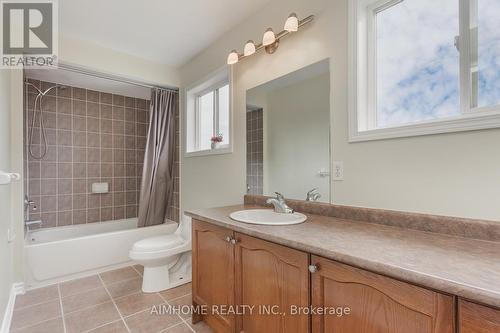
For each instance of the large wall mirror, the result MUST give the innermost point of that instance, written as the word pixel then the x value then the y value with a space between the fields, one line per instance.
pixel 288 135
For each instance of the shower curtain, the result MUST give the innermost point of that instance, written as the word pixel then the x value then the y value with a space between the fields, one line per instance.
pixel 157 184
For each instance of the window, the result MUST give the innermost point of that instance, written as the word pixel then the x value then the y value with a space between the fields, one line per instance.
pixel 423 67
pixel 212 114
pixel 208 116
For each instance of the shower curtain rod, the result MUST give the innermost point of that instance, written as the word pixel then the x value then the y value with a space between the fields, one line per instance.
pixel 107 76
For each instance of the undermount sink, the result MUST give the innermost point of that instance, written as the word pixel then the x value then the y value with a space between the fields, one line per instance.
pixel 267 217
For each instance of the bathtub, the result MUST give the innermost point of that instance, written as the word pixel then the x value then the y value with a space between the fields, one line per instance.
pixel 54 255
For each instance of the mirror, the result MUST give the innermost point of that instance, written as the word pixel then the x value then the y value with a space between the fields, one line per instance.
pixel 288 135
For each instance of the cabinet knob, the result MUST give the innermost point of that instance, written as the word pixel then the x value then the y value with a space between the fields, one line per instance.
pixel 228 239
pixel 313 268
pixel 234 241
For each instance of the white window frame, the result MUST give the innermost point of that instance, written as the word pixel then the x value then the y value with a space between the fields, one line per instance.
pixel 362 81
pixel 212 82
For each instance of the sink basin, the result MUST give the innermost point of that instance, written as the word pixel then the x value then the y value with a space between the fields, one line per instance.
pixel 267 217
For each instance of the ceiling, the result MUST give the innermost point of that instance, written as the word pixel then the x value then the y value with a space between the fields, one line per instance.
pixel 169 32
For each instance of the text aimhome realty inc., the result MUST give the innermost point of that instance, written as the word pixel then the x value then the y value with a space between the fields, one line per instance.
pixel 271 310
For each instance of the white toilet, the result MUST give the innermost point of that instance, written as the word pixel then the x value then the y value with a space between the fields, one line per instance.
pixel 166 259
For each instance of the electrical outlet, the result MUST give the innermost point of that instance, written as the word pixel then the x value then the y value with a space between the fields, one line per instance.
pixel 338 170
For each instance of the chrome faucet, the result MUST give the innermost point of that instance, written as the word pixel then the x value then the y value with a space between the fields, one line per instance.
pixel 279 204
pixel 27 222
pixel 313 195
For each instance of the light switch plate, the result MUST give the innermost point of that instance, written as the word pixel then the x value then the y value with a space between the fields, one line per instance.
pixel 338 171
pixel 11 236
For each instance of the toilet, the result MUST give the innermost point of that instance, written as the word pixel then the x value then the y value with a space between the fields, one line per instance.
pixel 166 259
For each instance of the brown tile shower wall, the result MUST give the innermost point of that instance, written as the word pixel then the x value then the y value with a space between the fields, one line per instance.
pixel 92 137
pixel 255 155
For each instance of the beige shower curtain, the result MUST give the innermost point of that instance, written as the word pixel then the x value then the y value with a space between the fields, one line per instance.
pixel 157 184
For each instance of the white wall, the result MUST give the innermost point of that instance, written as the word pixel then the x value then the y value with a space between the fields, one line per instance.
pixel 78 52
pixel 6 264
pixel 296 134
pixel 451 174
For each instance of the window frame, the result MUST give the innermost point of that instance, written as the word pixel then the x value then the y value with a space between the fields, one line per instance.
pixel 363 79
pixel 215 101
pixel 212 82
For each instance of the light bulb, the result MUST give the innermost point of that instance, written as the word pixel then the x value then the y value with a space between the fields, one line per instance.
pixel 232 58
pixel 269 37
pixel 249 48
pixel 292 23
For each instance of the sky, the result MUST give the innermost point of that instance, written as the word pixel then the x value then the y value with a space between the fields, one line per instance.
pixel 418 64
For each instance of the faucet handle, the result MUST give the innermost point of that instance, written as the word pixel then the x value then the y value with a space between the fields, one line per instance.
pixel 312 191
pixel 279 196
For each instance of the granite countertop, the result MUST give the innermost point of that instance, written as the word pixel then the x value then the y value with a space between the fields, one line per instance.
pixel 465 267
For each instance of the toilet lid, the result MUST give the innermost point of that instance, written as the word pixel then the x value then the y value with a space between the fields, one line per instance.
pixel 158 243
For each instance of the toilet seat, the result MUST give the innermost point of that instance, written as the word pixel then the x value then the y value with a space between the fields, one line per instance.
pixel 159 246
pixel 158 243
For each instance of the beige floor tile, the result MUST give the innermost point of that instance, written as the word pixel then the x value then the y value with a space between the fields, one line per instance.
pixel 139 268
pixel 137 302
pixel 183 301
pixel 180 328
pixel 49 326
pixel 176 292
pixel 84 300
pixel 116 327
pixel 35 314
pixel 91 318
pixel 201 327
pixel 124 288
pixel 37 296
pixel 146 322
pixel 117 275
pixel 80 285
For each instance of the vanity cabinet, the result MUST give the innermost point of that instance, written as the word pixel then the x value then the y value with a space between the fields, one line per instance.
pixel 474 318
pixel 213 273
pixel 377 304
pixel 272 279
pixel 265 282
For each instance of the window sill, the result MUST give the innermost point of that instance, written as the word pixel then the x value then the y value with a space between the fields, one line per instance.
pixel 209 152
pixel 479 120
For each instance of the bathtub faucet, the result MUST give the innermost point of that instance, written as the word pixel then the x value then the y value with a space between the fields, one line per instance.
pixel 29 223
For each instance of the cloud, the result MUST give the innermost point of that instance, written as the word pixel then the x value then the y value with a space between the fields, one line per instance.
pixel 418 65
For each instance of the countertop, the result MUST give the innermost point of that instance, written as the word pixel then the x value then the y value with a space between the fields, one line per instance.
pixel 465 267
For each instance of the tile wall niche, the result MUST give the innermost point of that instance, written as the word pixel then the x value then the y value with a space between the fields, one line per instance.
pixel 255 155
pixel 92 137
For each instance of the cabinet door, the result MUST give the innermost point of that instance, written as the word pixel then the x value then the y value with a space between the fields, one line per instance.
pixel 213 273
pixel 271 278
pixel 377 304
pixel 478 319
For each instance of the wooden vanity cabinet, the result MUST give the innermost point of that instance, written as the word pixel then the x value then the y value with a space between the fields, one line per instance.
pixel 377 304
pixel 213 273
pixel 474 318
pixel 237 270
pixel 274 280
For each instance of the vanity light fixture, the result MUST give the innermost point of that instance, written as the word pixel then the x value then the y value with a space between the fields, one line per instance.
pixel 270 40
pixel 232 58
pixel 249 48
pixel 269 37
pixel 292 23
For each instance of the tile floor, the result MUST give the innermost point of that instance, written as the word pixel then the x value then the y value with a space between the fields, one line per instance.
pixel 110 302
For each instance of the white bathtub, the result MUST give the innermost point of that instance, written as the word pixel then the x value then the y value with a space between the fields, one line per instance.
pixel 57 254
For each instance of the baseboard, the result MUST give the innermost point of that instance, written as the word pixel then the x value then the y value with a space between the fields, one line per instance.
pixel 16 289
